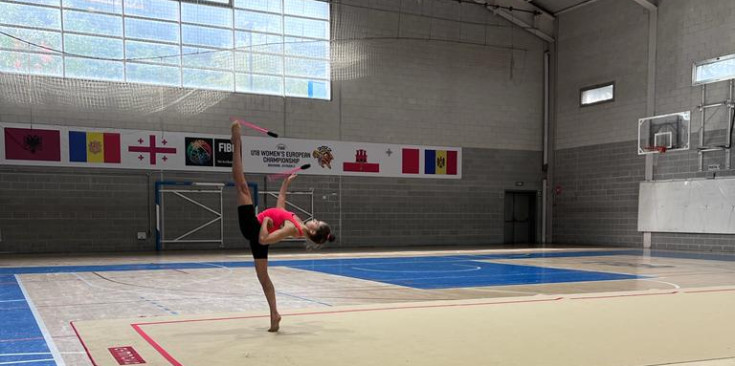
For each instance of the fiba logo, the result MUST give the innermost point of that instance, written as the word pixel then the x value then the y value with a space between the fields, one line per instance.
pixel 198 151
pixel 223 153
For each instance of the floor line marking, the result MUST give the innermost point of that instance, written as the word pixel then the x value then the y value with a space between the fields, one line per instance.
pixel 41 325
pixel 84 345
pixel 26 361
pixel 664 282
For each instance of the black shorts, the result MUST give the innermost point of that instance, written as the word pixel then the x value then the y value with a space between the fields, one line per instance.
pixel 250 229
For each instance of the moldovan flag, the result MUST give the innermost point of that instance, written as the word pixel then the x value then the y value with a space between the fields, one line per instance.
pixel 410 162
pixel 94 147
pixel 440 162
pixel 32 144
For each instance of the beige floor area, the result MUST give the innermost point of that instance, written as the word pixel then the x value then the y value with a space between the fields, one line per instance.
pixel 680 313
pixel 651 328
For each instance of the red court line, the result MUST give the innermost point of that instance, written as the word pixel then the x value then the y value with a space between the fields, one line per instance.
pixel 155 345
pixel 720 290
pixel 354 311
pixel 83 344
pixel 174 362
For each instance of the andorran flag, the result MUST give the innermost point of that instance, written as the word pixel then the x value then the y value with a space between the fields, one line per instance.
pixel 94 147
pixel 32 144
pixel 440 162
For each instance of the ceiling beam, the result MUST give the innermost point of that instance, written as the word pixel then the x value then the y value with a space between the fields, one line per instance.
pixel 575 7
pixel 529 28
pixel 541 10
pixel 506 12
pixel 648 4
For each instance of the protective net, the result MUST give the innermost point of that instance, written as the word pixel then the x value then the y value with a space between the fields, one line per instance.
pixel 153 77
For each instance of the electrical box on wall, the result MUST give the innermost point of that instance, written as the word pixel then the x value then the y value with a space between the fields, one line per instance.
pixel 142 235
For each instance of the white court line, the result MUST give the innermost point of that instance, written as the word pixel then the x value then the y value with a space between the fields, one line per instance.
pixel 19 300
pixel 471 269
pixel 667 283
pixel 46 335
pixel 26 361
pixel 24 354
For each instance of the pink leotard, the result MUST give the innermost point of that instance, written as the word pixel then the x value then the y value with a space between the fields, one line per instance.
pixel 279 216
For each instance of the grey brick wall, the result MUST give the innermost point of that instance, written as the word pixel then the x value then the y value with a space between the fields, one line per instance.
pixel 603 42
pixel 599 200
pixel 98 211
pixel 433 72
pixel 607 41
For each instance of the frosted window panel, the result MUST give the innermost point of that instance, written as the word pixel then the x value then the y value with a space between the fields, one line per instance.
pixel 206 79
pixel 307 8
pixel 260 84
pixel 83 68
pixel 107 6
pixel 55 3
pixel 273 6
pixel 306 28
pixel 205 36
pixel 258 42
pixel 30 63
pixel 30 16
pixel 258 63
pixel 305 47
pixel 151 30
pixel 598 95
pixel 46 39
pixel 158 9
pixel 307 88
pixel 153 74
pixel 715 71
pixel 259 22
pixel 207 58
pixel 91 23
pixel 152 52
pixel 206 15
pixel 309 68
pixel 91 46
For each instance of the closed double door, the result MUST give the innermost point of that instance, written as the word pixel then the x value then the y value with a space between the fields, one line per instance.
pixel 520 217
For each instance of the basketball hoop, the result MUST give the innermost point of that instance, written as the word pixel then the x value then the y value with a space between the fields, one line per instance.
pixel 659 149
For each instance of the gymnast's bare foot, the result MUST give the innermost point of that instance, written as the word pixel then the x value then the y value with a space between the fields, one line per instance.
pixel 235 127
pixel 275 321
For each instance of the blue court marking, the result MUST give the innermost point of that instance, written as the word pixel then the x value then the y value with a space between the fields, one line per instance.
pixel 301 263
pixel 451 272
pixel 21 340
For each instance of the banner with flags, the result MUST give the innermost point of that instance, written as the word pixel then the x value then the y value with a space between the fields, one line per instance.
pixel 67 146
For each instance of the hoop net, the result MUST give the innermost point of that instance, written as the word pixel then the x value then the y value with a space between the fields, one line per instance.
pixel 656 149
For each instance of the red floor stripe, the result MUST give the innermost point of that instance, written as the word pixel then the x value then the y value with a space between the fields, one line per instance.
pixel 83 344
pixel 157 346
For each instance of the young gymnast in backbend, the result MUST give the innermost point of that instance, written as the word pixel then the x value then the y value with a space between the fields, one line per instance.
pixel 270 226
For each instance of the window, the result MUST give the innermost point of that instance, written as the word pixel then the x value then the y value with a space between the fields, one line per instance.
pixel 274 47
pixel 717 69
pixel 597 94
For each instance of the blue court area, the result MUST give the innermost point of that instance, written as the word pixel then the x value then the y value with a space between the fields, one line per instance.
pixel 21 340
pixel 452 272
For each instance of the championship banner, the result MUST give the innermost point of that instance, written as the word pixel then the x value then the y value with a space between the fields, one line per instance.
pixel 65 146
